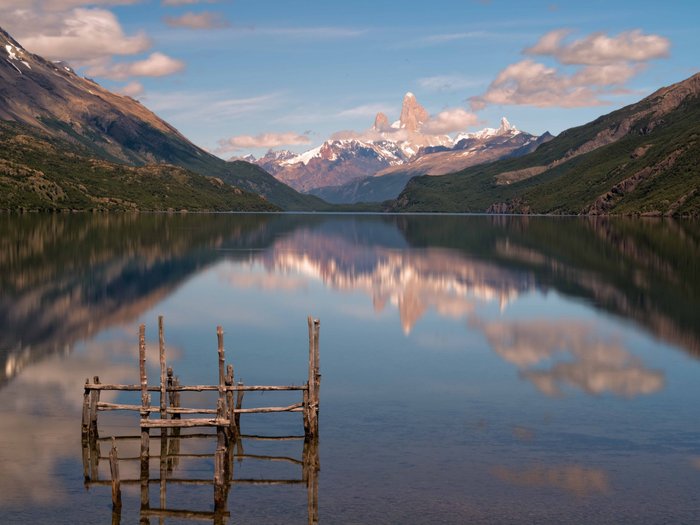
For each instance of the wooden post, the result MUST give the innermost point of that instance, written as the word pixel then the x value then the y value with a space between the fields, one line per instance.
pixel 94 458
pixel 312 368
pixel 220 455
pixel 239 405
pixel 311 402
pixel 317 376
pixel 114 470
pixel 85 428
pixel 310 468
pixel 163 465
pixel 145 406
pixel 220 462
pixel 229 403
pixel 161 351
pixel 94 399
pixel 307 411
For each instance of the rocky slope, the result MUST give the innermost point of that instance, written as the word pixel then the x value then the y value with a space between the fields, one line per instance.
pixel 51 98
pixel 469 149
pixel 40 173
pixel 643 158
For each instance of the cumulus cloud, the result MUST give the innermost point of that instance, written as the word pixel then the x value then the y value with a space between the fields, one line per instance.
pixel 59 5
pixel 155 65
pixel 205 20
pixel 132 89
pixel 605 63
pixel 600 49
pixel 81 35
pixel 187 2
pixel 450 120
pixel 264 140
pixel 531 83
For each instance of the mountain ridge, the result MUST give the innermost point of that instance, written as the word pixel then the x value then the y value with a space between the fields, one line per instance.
pixel 52 98
pixel 639 159
pixel 342 169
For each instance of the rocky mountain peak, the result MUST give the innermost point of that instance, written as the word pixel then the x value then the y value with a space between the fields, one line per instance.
pixel 506 126
pixel 381 122
pixel 413 115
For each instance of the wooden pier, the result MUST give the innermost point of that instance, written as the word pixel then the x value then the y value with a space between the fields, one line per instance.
pixel 224 419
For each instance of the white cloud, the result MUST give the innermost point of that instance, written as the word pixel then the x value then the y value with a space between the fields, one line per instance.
pixel 132 89
pixel 311 32
pixel 364 110
pixel 205 20
pixel 605 64
pixel 80 35
pixel 531 83
pixel 264 140
pixel 443 38
pixel 156 65
pixel 600 49
pixel 208 105
pixel 60 5
pixel 187 2
pixel 450 120
pixel 448 82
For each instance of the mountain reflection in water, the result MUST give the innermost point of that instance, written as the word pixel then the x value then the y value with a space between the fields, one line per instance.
pixel 475 369
pixel 65 278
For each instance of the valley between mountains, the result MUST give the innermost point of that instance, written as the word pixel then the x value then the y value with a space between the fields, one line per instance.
pixel 70 144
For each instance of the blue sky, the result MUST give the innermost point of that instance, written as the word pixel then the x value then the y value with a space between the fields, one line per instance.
pixel 266 72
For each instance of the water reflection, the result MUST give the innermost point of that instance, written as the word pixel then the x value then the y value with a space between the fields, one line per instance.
pixel 66 278
pixel 577 480
pixel 39 414
pixel 486 357
pixel 580 357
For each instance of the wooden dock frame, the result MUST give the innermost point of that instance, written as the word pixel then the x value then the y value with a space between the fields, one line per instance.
pixel 226 421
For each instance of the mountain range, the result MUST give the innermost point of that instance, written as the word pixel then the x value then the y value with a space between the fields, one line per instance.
pixel 68 143
pixel 348 169
pixel 641 159
pixel 48 101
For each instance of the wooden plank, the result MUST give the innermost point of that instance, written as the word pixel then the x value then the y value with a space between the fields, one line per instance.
pixel 201 482
pixel 183 514
pixel 195 388
pixel 139 408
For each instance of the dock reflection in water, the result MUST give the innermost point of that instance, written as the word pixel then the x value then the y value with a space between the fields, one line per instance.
pixel 170 452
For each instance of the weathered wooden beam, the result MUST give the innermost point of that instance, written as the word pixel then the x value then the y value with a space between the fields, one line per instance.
pixel 145 405
pixel 202 482
pixel 238 410
pixel 85 428
pixel 195 388
pixel 94 399
pixel 161 353
pixel 210 455
pixel 183 514
pixel 229 402
pixel 139 408
pixel 114 471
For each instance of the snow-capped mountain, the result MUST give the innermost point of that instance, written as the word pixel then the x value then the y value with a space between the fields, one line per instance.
pixel 386 148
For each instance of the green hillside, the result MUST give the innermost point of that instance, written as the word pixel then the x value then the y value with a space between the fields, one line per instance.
pixel 641 159
pixel 42 173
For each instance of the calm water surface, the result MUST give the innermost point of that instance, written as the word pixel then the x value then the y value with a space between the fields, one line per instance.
pixel 475 369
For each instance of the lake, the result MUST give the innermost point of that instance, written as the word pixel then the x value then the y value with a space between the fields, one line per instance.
pixel 475 369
